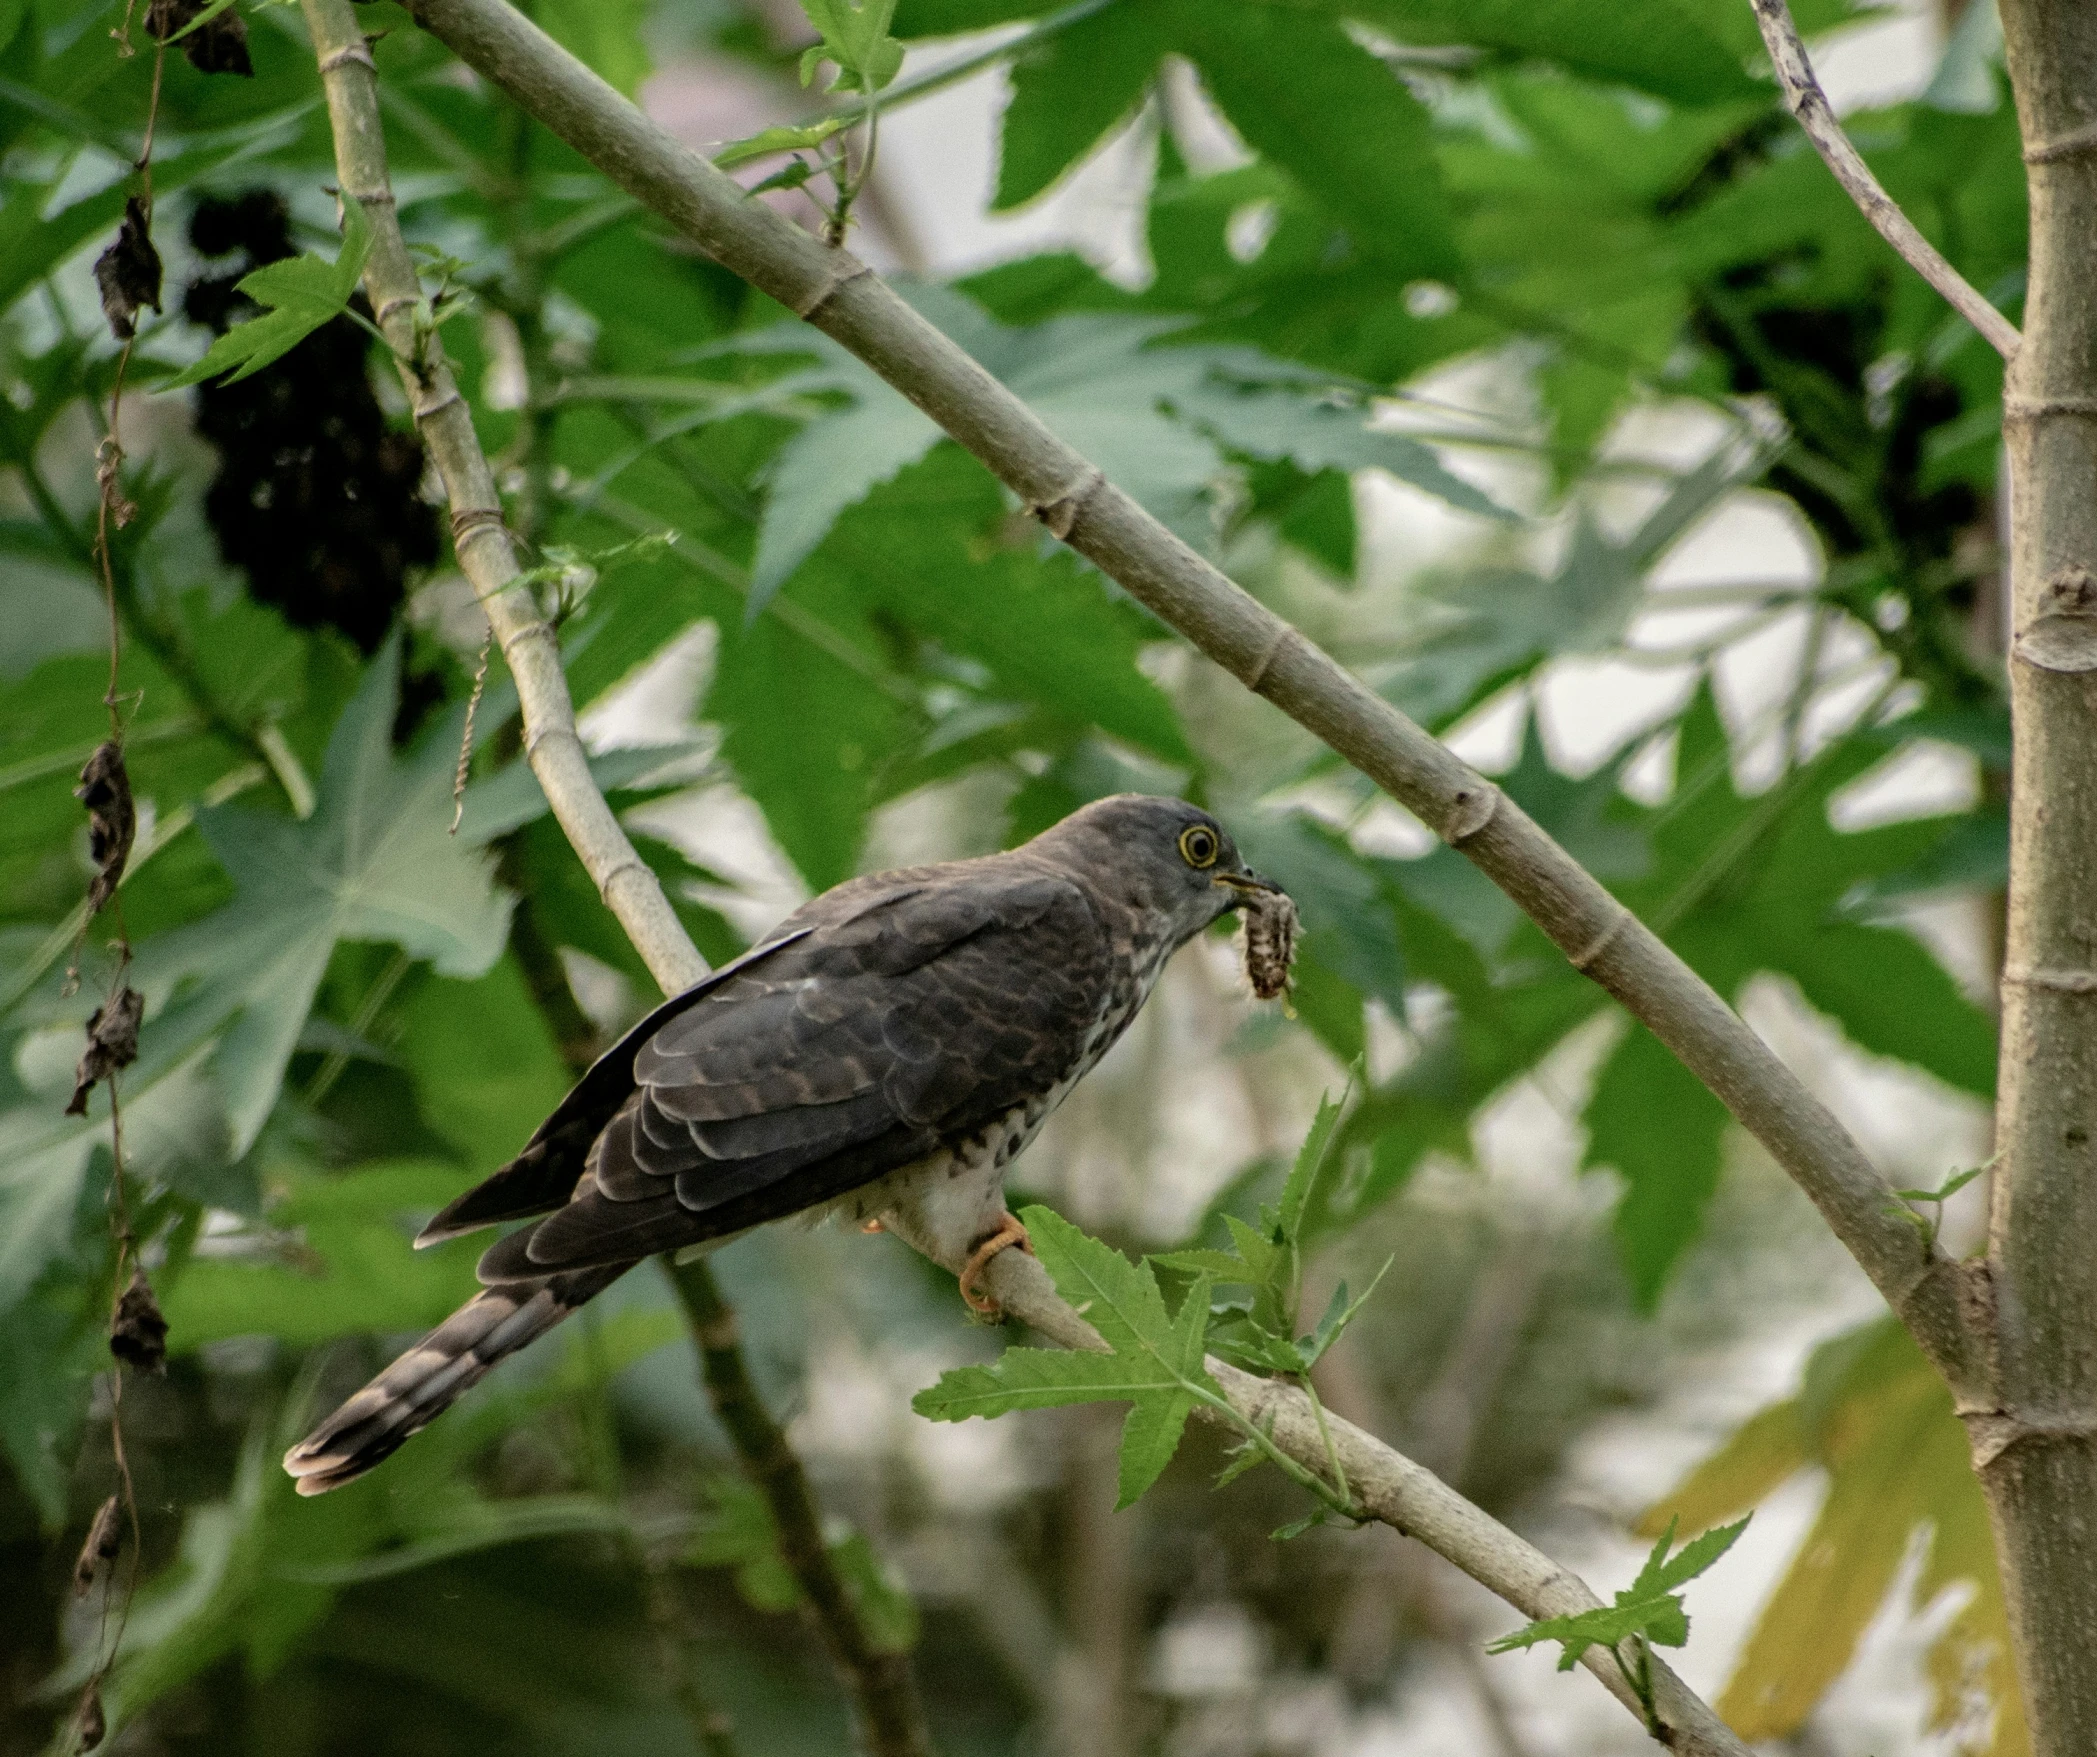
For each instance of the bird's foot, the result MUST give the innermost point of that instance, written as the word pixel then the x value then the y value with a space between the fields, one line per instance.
pixel 1009 1233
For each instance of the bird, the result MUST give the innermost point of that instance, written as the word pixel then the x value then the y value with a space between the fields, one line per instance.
pixel 888 1049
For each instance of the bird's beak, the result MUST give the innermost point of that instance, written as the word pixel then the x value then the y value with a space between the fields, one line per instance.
pixel 1248 883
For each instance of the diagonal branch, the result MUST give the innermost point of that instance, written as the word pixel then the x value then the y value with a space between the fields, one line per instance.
pixel 1802 93
pixel 483 546
pixel 1400 1493
pixel 847 301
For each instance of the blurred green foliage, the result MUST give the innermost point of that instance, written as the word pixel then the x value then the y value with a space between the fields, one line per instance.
pixel 351 1012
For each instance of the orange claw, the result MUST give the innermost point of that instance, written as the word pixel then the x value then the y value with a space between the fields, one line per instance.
pixel 1008 1234
pixel 873 1225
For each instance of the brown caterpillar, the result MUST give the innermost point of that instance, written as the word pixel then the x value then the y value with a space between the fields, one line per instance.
pixel 1267 937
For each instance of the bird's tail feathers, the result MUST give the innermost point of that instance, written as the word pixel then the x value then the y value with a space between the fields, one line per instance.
pixel 436 1372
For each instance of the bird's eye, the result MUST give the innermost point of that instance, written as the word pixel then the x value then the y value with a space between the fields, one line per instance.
pixel 1199 847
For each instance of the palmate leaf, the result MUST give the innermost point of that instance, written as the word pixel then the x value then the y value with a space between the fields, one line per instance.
pixel 1649 1608
pixel 1156 1363
pixel 1161 421
pixel 855 41
pixel 1877 1419
pixel 297 297
pixel 374 862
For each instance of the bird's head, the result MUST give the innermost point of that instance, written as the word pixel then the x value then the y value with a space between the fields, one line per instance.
pixel 1163 857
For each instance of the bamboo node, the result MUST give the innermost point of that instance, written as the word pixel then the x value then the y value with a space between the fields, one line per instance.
pixel 360 52
pixel 1992 1432
pixel 1471 810
pixel 844 271
pixel 1060 515
pixel 2056 980
pixel 1585 958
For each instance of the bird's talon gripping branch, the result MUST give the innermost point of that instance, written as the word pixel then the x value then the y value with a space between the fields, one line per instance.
pixel 1008 1234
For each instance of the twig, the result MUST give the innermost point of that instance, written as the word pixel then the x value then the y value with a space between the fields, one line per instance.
pixel 551 743
pixel 882 1684
pixel 1391 1488
pixel 840 296
pixel 1817 117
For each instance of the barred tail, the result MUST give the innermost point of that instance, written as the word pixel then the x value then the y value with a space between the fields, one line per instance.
pixel 436 1372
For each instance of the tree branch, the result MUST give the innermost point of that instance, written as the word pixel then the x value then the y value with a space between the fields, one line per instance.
pixel 482 545
pixel 882 1683
pixel 1400 1493
pixel 847 301
pixel 1816 116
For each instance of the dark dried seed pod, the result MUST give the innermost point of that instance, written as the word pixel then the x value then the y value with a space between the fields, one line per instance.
pixel 128 273
pixel 138 1333
pixel 104 1538
pixel 112 1044
pixel 1267 939
pixel 92 1725
pixel 112 820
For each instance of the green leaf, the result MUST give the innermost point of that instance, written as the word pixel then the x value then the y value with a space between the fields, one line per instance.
pixel 1670 1172
pixel 352 1272
pixel 1307 97
pixel 785 138
pixel 608 35
pixel 297 297
pixel 1069 92
pixel 1654 45
pixel 856 40
pixel 485 1067
pixel 1648 1609
pixel 1155 1363
pixel 1877 1419
pixel 1160 420
pixel 374 862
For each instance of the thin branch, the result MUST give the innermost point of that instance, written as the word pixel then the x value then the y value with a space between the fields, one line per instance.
pixel 1817 117
pixel 483 547
pixel 842 297
pixel 1392 1489
pixel 882 1683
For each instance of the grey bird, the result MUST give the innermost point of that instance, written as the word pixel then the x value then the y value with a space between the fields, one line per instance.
pixel 887 1050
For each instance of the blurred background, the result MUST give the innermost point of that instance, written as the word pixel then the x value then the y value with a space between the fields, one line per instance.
pixel 1612 445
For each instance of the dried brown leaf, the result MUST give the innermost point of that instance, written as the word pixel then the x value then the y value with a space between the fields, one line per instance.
pixel 138 1333
pixel 128 272
pixel 219 45
pixel 112 820
pixel 112 1044
pixel 104 1538
pixel 92 1725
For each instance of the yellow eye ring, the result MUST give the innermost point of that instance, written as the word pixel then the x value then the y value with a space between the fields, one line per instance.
pixel 1199 846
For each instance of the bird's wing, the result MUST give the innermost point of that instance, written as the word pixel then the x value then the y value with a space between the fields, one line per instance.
pixel 912 1018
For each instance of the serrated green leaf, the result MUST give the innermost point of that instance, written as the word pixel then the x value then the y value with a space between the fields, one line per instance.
pixel 784 138
pixel 856 41
pixel 1069 93
pixel 297 297
pixel 1669 1174
pixel 374 862
pixel 1304 95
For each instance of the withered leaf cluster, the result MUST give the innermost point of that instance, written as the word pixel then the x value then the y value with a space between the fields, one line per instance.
pixel 104 1538
pixel 112 821
pixel 219 45
pixel 112 1044
pixel 138 1333
pixel 128 272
